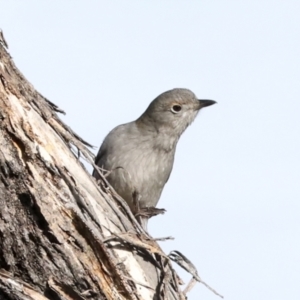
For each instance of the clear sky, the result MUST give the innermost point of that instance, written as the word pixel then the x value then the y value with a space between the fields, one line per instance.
pixel 233 199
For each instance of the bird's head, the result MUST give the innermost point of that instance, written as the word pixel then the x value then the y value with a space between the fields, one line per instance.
pixel 173 111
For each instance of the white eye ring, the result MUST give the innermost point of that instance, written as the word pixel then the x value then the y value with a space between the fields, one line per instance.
pixel 176 108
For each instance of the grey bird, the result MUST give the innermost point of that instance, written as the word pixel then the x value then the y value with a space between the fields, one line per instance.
pixel 139 155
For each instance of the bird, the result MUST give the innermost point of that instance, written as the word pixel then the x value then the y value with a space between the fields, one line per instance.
pixel 139 155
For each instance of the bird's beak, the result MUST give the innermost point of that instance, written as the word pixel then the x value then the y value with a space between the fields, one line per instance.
pixel 204 103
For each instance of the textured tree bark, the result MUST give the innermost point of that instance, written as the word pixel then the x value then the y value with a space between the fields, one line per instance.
pixel 62 234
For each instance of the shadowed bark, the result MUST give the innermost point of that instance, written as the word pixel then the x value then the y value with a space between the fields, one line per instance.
pixel 62 234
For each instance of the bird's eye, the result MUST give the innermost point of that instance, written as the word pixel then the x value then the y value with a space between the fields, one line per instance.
pixel 176 108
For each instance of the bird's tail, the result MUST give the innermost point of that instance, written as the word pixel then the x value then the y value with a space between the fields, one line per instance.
pixel 144 222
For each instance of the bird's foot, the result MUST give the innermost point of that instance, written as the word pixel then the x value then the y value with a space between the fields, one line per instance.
pixel 149 212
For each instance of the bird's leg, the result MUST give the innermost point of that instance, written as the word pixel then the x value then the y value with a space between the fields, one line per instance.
pixel 136 197
pixel 143 214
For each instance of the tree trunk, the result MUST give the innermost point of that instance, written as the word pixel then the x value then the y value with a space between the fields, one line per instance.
pixel 62 234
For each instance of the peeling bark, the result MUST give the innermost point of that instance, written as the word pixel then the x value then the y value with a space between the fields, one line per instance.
pixel 62 234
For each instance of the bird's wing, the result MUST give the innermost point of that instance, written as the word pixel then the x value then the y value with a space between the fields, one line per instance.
pixel 110 143
pixel 102 152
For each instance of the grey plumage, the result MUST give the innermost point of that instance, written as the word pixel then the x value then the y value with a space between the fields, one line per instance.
pixel 141 153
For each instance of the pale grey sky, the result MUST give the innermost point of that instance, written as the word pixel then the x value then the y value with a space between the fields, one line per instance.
pixel 233 200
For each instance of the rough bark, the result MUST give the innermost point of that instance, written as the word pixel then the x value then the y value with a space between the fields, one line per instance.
pixel 62 234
